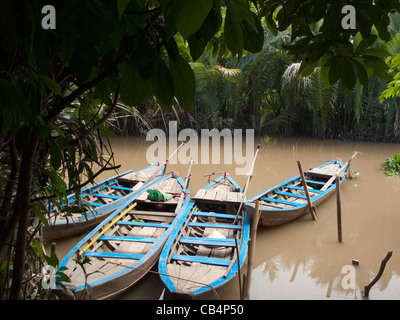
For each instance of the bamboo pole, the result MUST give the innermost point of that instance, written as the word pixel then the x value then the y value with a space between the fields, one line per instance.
pixel 238 264
pixel 108 227
pixel 249 176
pixel 339 209
pixel 247 282
pixel 312 208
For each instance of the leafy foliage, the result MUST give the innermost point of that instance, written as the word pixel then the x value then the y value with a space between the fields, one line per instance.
pixel 317 35
pixel 392 166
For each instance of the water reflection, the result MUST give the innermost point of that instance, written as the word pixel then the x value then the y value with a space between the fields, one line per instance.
pixel 303 259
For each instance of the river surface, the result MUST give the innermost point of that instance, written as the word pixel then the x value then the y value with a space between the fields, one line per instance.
pixel 302 259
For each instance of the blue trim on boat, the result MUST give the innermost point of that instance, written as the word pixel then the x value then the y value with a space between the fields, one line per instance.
pixel 123 238
pixel 216 215
pixel 214 225
pixel 143 224
pixel 205 260
pixel 302 189
pixel 295 204
pixel 111 196
pixel 208 241
pixel 291 194
pixel 113 255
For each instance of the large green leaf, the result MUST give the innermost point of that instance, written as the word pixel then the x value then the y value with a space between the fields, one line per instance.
pixel 184 82
pixel 122 4
pixel 233 32
pixel 163 85
pixel 186 16
pixel 253 40
pixel 14 108
pixel 243 29
pixel 134 88
pixel 199 40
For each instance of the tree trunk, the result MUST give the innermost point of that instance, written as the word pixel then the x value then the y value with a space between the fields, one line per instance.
pixel 22 211
pixel 5 230
pixel 396 128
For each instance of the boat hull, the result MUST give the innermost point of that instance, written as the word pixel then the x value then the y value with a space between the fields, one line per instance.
pixel 270 217
pixel 124 247
pixel 63 225
pixel 197 263
pixel 277 206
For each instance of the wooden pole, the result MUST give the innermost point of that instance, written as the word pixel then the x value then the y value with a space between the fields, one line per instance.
pixel 239 276
pixel 249 176
pixel 379 275
pixel 339 210
pixel 251 251
pixel 53 247
pixel 312 208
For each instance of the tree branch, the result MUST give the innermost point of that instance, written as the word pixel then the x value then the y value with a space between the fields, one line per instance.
pixel 379 275
pixel 68 100
pixel 97 125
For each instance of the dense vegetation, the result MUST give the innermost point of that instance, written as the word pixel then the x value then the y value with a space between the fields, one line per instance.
pixel 264 91
pixel 283 67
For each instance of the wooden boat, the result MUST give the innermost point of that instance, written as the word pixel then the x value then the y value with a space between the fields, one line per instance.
pixel 287 201
pixel 125 246
pixel 209 245
pixel 98 201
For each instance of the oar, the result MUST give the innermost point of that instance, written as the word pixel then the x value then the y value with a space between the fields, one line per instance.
pixel 187 179
pixel 166 161
pixel 330 181
pixel 108 227
pixel 155 173
pixel 249 176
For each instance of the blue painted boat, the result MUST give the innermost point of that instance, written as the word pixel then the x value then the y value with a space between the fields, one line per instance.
pixel 124 247
pixel 287 201
pixel 98 201
pixel 209 245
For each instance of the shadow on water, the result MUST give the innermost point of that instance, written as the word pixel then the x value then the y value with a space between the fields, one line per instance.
pixel 303 259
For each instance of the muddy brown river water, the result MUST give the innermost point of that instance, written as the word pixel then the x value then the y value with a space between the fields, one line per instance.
pixel 303 259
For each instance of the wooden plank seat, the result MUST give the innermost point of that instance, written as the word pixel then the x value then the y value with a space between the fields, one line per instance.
pixel 207 195
pixel 295 204
pixel 291 194
pixel 111 196
pixel 153 213
pixel 143 224
pixel 215 215
pixel 113 255
pixel 315 182
pixel 208 241
pixel 326 171
pixel 214 225
pixel 95 204
pixel 302 189
pixel 200 259
pixel 122 188
pixel 123 238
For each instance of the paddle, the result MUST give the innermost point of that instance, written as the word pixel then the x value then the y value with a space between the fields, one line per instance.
pixel 330 181
pixel 249 176
pixel 187 179
pixel 166 161
pixel 108 227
